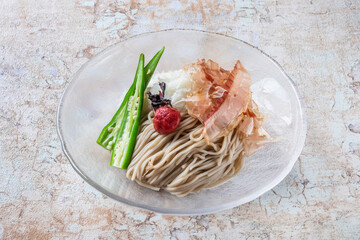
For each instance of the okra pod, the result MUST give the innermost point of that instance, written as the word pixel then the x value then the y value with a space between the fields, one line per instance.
pixel 125 141
pixel 110 132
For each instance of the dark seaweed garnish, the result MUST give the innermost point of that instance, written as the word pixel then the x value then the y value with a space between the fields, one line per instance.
pixel 159 100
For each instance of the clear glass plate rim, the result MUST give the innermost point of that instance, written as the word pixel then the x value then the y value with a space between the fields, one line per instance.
pixel 184 212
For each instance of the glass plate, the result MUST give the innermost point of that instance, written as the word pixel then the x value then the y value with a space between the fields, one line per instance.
pixel 96 90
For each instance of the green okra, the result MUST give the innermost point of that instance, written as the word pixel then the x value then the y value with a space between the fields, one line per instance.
pixel 126 138
pixel 110 132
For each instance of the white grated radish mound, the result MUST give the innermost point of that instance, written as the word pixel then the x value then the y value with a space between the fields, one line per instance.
pixel 178 84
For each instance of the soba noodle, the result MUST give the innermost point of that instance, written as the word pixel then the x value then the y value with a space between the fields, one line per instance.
pixel 182 162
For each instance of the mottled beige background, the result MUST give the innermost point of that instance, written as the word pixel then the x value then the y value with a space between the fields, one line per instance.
pixel 42 43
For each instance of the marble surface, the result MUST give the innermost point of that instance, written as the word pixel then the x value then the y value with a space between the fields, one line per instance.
pixel 42 43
